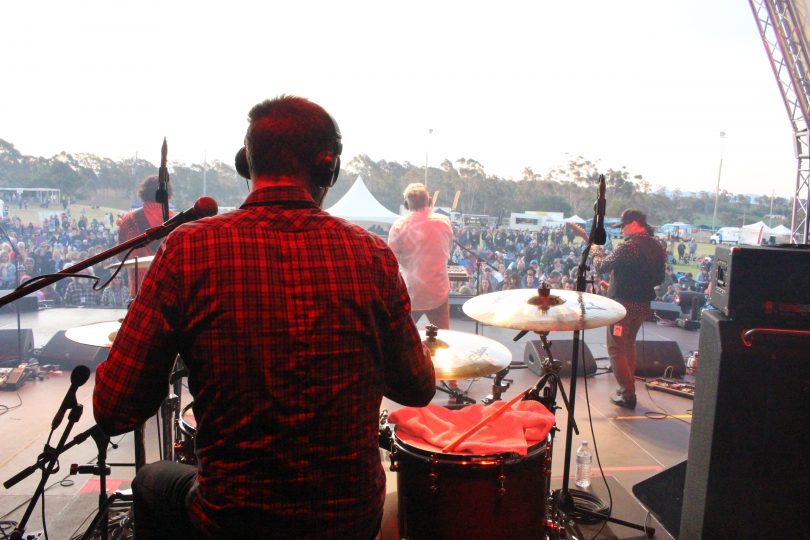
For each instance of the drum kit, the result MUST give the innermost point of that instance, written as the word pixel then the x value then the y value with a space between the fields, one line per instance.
pixel 461 495
pixel 449 494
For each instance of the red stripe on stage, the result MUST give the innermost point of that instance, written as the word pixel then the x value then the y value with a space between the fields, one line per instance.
pixel 93 486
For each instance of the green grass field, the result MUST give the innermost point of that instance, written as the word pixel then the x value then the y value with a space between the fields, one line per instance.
pixel 32 213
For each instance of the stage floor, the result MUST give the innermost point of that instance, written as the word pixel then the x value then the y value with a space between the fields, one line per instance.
pixel 631 445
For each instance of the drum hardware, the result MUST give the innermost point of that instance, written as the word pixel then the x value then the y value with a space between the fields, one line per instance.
pixel 459 356
pixel 170 411
pixel 500 384
pixel 458 398
pixel 184 444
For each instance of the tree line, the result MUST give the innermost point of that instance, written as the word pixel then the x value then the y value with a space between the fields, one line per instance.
pixel 570 189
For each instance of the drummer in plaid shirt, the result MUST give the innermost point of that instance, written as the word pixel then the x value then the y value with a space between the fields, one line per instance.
pixel 293 325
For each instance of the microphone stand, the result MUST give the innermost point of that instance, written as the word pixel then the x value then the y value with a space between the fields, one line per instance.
pixel 17 257
pixel 48 462
pixel 563 502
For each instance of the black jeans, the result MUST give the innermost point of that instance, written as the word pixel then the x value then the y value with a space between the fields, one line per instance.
pixel 160 491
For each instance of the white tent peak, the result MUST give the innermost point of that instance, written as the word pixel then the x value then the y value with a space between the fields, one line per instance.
pixel 359 205
pixel 575 219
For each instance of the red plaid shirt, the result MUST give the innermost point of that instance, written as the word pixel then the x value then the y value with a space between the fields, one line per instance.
pixel 293 324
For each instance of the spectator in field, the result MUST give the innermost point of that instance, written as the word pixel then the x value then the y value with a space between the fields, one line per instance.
pixel 115 295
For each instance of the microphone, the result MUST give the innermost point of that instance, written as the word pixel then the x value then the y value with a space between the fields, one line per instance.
pixel 599 234
pixel 78 377
pixel 204 207
pixel 162 193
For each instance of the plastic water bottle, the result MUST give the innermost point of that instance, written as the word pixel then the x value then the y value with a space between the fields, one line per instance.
pixel 584 458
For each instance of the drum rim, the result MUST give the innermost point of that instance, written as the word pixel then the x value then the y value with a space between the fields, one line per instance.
pixel 494 459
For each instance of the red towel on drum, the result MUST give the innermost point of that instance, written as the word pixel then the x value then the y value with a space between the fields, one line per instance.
pixel 434 427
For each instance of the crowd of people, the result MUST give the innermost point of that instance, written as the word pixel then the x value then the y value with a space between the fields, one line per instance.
pixel 29 250
pixel 516 259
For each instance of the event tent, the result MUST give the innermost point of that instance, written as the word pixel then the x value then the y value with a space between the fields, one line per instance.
pixel 754 233
pixel 359 205
pixel 575 219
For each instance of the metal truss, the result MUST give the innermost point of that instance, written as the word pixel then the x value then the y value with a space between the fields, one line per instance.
pixel 783 36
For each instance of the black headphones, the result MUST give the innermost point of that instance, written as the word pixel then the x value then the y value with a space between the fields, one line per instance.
pixel 326 168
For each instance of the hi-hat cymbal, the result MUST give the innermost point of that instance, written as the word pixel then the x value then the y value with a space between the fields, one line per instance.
pixel 142 263
pixel 459 355
pixel 98 335
pixel 525 309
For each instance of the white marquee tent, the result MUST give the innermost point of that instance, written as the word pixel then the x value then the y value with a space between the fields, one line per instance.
pixel 359 205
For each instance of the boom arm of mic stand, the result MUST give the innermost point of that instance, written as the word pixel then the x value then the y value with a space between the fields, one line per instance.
pixel 150 235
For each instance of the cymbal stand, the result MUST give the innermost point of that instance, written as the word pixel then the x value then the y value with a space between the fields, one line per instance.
pixel 434 344
pixel 550 382
pixel 170 410
pixel 500 384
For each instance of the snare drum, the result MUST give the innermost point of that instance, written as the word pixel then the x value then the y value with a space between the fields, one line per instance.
pixel 449 495
pixel 184 448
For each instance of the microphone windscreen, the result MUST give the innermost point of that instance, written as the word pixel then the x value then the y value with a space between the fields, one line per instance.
pixel 79 375
pixel 205 207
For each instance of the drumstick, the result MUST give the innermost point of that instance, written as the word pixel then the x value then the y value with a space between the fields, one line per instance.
pixel 470 432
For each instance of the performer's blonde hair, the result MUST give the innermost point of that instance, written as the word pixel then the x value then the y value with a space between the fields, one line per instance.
pixel 416 195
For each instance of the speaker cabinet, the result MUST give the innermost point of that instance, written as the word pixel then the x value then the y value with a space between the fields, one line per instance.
pixel 68 354
pixel 748 464
pixel 562 349
pixel 10 342
pixel 662 493
pixel 654 357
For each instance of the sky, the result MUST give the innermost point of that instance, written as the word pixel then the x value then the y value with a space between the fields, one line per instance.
pixel 648 86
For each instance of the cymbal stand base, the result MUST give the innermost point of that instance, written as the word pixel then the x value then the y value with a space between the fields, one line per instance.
pixel 561 522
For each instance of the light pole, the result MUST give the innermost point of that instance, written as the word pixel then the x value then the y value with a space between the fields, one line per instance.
pixel 427 146
pixel 719 172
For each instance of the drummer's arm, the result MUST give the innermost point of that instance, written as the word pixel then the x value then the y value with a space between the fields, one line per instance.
pixel 134 379
pixel 407 367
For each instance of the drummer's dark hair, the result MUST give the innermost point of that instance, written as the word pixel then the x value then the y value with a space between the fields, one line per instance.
pixel 149 188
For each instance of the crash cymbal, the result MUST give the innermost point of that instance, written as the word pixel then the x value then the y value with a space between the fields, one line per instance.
pixel 459 355
pixel 142 262
pixel 99 334
pixel 526 309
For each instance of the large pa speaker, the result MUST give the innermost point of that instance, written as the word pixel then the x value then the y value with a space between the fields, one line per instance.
pixel 655 357
pixel 68 354
pixel 10 341
pixel 748 466
pixel 562 349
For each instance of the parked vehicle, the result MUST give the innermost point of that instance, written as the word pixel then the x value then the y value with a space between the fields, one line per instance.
pixel 675 231
pixel 726 235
